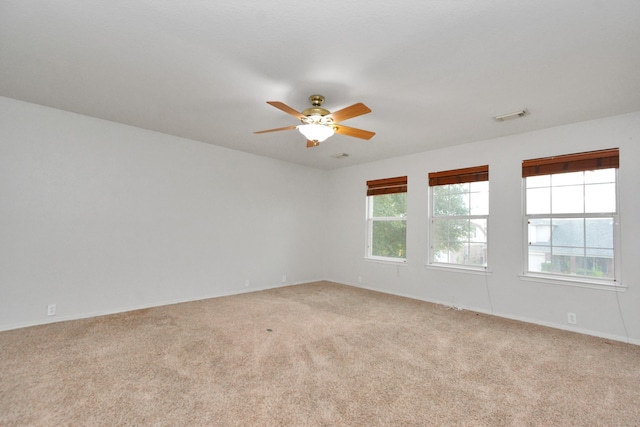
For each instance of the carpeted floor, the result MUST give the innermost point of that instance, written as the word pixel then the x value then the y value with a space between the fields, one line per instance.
pixel 320 354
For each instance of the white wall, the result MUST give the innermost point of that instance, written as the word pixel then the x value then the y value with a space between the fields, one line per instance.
pixel 98 217
pixel 502 292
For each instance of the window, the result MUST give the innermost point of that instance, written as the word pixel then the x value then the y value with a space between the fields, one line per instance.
pixel 459 217
pixel 571 215
pixel 387 219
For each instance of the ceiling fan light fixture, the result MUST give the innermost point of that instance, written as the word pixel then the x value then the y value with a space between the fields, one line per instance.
pixel 315 132
pixel 318 124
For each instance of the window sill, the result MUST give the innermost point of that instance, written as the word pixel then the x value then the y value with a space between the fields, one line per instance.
pixel 579 283
pixel 459 268
pixel 390 261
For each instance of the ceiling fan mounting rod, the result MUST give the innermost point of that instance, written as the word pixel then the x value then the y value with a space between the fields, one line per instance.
pixel 316 100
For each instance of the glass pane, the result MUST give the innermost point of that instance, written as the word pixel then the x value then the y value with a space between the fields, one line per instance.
pixel 539 231
pixel 389 239
pixel 452 255
pixel 390 205
pixel 479 202
pixel 441 241
pixel 458 188
pixel 600 253
pixel 459 204
pixel 572 178
pixel 565 264
pixel 567 199
pixel 539 258
pixel 479 186
pixel 568 233
pixel 441 255
pixel 448 200
pixel 538 181
pixel 599 232
pixel 477 254
pixel 574 246
pixel 600 198
pixel 478 230
pixel 450 235
pixel 451 243
pixel 601 266
pixel 440 200
pixel 538 201
pixel 462 255
pixel 440 234
pixel 600 176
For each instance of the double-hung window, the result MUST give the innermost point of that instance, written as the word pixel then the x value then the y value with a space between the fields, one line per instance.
pixel 571 215
pixel 459 217
pixel 387 219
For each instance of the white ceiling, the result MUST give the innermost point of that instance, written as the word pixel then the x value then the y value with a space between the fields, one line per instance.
pixel 434 72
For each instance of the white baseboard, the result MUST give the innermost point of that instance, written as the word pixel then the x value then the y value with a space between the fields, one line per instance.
pixel 56 319
pixel 560 326
pixel 359 285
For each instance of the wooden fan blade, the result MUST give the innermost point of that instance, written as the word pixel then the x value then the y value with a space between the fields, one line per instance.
pixel 311 144
pixel 276 130
pixel 349 112
pixel 284 107
pixel 357 133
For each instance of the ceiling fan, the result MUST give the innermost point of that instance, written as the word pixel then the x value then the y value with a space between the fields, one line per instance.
pixel 318 123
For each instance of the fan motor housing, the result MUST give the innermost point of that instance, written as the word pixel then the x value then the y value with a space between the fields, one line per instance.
pixel 316 111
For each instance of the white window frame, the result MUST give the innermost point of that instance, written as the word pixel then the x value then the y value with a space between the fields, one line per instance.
pixel 370 221
pixel 380 188
pixel 432 225
pixel 568 279
pixel 431 262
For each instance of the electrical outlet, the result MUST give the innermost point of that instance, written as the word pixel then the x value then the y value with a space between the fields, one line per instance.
pixel 51 310
pixel 284 278
pixel 571 318
pixel 247 283
pixel 359 279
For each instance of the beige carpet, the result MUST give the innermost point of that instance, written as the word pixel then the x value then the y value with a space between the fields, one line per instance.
pixel 320 354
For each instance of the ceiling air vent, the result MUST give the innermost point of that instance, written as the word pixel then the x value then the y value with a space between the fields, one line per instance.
pixel 509 116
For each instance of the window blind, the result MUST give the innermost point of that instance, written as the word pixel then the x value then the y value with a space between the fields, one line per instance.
pixel 590 160
pixel 387 186
pixel 459 176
